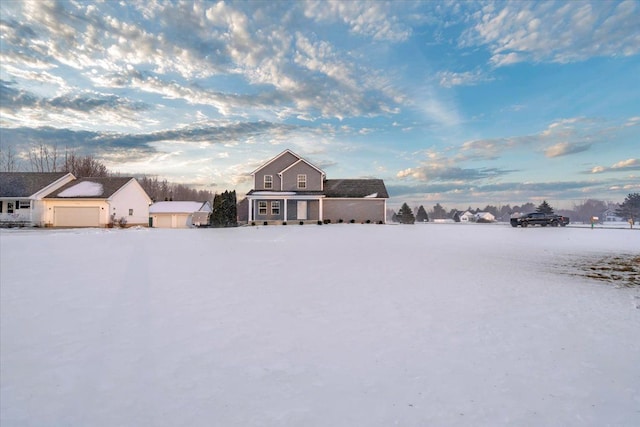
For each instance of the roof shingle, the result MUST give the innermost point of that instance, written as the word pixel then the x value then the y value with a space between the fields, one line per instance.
pixel 26 184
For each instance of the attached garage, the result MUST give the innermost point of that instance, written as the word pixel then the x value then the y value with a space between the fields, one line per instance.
pixel 74 216
pixel 98 202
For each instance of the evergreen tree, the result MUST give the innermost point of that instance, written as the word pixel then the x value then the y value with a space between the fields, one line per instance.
pixel 421 215
pixel 394 216
pixel 405 215
pixel 630 208
pixel 225 211
pixel 544 208
pixel 456 217
pixel 439 212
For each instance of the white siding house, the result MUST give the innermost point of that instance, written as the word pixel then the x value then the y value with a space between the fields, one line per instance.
pixel 22 193
pixel 98 202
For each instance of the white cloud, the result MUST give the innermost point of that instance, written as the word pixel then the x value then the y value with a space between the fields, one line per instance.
pixel 626 164
pixel 555 31
pixel 372 19
pixel 468 78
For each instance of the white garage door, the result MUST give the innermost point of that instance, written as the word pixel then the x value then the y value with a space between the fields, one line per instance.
pixel 162 221
pixel 76 216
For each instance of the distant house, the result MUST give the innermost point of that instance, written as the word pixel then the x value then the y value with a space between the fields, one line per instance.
pixel 22 193
pixel 467 216
pixel 179 214
pixel 97 202
pixel 484 217
pixel 610 216
pixel 289 188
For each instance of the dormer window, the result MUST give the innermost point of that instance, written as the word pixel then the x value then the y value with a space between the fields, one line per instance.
pixel 302 181
pixel 268 182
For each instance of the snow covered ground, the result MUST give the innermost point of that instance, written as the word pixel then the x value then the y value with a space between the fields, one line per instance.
pixel 334 325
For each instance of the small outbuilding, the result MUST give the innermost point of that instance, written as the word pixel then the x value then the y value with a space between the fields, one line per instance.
pixel 183 214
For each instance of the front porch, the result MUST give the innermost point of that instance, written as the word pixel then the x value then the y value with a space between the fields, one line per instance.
pixel 278 208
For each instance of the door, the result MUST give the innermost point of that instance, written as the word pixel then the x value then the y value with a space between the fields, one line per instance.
pixel 302 209
pixel 76 216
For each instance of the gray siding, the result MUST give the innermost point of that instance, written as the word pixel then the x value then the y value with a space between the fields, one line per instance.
pixel 290 178
pixel 358 210
pixel 268 216
pixel 273 168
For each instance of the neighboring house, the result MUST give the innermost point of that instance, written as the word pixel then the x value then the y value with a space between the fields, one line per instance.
pixel 484 217
pixel 289 188
pixel 610 216
pixel 98 202
pixel 22 193
pixel 179 214
pixel 467 217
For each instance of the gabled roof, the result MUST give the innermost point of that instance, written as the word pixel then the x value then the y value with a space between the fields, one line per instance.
pixel 90 188
pixel 274 159
pixel 179 207
pixel 301 161
pixel 356 188
pixel 26 184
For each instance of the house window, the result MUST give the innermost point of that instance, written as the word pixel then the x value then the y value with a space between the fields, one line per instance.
pixel 130 212
pixel 275 207
pixel 9 207
pixel 262 208
pixel 302 181
pixel 22 204
pixel 268 182
pixel 1 206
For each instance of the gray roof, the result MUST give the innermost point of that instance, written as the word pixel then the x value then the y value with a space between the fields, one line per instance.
pixel 109 186
pixel 26 184
pixel 356 188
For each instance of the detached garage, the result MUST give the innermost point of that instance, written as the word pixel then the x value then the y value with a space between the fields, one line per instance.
pixel 98 202
pixel 179 214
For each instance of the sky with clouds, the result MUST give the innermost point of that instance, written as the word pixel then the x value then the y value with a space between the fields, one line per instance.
pixel 458 103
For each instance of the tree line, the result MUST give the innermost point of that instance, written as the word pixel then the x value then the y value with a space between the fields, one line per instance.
pixel 45 158
pixel 583 212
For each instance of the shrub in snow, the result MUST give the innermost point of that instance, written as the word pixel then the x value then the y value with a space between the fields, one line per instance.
pixel 122 222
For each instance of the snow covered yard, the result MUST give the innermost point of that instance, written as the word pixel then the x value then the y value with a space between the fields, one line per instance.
pixel 335 325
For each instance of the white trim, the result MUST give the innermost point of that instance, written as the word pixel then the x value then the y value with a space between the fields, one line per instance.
pixel 265 207
pixel 298 181
pixel 277 206
pixel 264 182
pixel 290 196
pixel 48 189
pixel 305 161
pixel 274 159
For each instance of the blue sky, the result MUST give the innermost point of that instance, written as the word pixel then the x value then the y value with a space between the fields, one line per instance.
pixel 458 103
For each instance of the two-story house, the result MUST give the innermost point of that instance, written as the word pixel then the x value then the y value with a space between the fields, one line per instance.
pixel 289 188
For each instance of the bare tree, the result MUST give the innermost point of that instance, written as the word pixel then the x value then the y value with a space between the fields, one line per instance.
pixel 83 166
pixel 8 160
pixel 44 158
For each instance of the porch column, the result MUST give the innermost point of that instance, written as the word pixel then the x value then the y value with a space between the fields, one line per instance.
pixel 250 217
pixel 285 208
pixel 320 210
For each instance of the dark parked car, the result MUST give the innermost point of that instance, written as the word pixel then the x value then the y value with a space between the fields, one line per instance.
pixel 541 219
